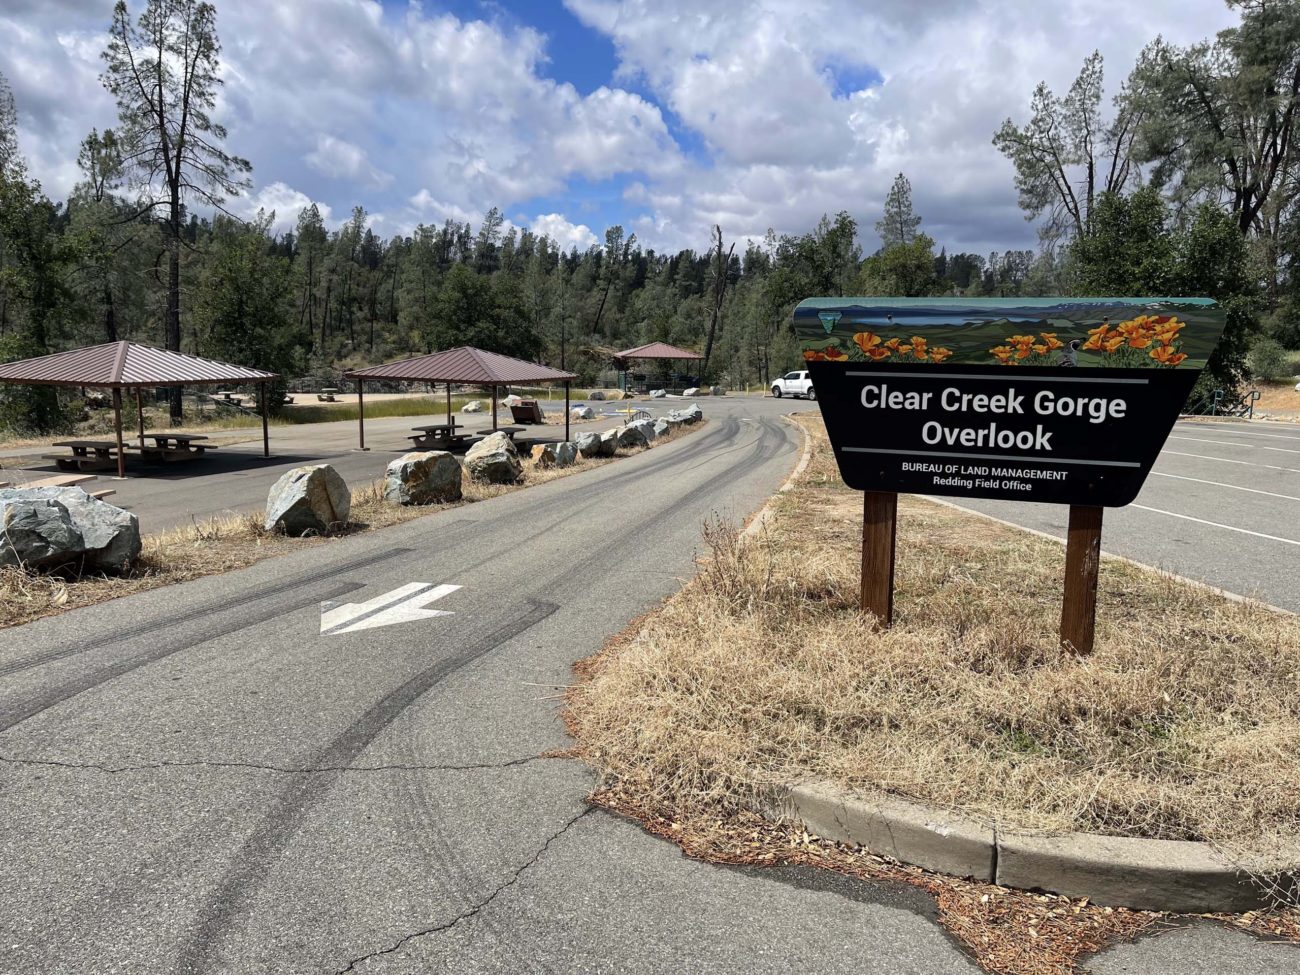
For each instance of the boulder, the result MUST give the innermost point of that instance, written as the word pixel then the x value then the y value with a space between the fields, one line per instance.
pixel 494 459
pixel 308 499
pixel 633 435
pixel 47 527
pixel 597 395
pixel 647 427
pixel 609 442
pixel 693 391
pixel 588 444
pixel 665 425
pixel 717 391
pixel 511 400
pixel 423 477
pixel 561 454
pixel 658 393
pixel 689 414
pixel 473 406
pixel 582 413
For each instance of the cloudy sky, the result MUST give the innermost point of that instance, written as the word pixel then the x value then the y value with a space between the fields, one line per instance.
pixel 666 116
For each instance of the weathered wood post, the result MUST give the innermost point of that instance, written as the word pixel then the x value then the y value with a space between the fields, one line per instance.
pixel 879 531
pixel 1082 560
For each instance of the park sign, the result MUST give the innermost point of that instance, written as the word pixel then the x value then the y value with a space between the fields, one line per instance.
pixel 1064 400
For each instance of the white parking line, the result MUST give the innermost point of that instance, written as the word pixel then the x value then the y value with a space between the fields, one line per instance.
pixel 1241 433
pixel 1215 524
pixel 1235 487
pixel 1229 460
pixel 1233 443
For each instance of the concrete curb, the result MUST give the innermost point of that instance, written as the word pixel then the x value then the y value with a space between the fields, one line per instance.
pixel 1149 875
pixel 759 520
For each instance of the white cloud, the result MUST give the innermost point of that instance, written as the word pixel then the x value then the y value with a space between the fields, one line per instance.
pixel 341 159
pixel 282 200
pixel 566 234
pixel 426 116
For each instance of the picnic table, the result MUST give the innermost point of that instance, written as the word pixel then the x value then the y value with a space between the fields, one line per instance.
pixel 433 435
pixel 87 455
pixel 326 395
pixel 168 447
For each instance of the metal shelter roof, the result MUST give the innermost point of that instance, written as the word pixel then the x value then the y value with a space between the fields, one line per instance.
pixel 465 364
pixel 126 364
pixel 657 350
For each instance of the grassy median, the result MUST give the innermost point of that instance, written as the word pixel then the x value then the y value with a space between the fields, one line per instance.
pixel 1184 723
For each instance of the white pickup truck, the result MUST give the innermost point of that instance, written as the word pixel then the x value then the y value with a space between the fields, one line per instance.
pixel 794 384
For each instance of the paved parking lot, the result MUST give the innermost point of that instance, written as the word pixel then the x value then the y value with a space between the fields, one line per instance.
pixel 1222 505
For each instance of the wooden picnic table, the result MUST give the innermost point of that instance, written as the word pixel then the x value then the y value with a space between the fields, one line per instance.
pixel 169 446
pixel 87 455
pixel 438 435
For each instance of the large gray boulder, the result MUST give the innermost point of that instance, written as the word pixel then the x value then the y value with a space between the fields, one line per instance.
pixel 423 477
pixel 588 444
pixel 511 400
pixel 633 435
pixel 312 499
pixel 561 454
pixel 690 414
pixel 42 528
pixel 609 442
pixel 658 393
pixel 693 391
pixel 494 459
pixel 666 425
pixel 597 395
pixel 473 406
pixel 582 413
pixel 647 427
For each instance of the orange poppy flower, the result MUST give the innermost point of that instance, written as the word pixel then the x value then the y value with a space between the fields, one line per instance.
pixel 1139 341
pixel 833 354
pixel 893 344
pixel 918 343
pixel 878 354
pixel 1002 352
pixel 1050 340
pixel 1022 340
pixel 1166 356
pixel 1111 344
pixel 809 355
pixel 1093 344
pixel 866 341
pixel 939 353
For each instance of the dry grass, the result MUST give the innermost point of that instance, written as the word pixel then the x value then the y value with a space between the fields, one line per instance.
pixel 220 545
pixel 1185 722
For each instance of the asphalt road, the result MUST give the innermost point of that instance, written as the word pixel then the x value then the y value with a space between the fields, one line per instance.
pixel 196 779
pixel 1222 506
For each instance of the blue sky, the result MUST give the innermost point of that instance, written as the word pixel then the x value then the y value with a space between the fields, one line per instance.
pixel 665 116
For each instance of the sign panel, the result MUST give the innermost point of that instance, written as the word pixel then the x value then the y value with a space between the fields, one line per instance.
pixel 1063 400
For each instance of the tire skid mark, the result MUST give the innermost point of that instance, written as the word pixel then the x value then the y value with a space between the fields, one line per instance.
pixel 14 714
pixel 228 900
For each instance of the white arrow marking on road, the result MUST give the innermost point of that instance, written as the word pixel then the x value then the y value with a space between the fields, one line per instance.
pixel 402 605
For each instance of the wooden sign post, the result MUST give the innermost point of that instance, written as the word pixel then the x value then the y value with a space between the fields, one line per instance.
pixel 1082 560
pixel 1051 400
pixel 879 531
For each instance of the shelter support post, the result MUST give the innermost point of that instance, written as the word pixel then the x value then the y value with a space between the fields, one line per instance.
pixel 139 411
pixel 117 428
pixel 449 404
pixel 266 431
pixel 566 409
pixel 361 414
pixel 1082 560
pixel 879 530
pixel 494 407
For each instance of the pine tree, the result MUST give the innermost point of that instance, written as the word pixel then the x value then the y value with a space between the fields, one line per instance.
pixel 898 225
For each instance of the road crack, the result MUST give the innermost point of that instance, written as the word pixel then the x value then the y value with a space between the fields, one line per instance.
pixel 476 908
pixel 281 769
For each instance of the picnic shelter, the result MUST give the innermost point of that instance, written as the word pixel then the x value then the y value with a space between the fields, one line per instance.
pixel 121 366
pixel 464 365
pixel 658 351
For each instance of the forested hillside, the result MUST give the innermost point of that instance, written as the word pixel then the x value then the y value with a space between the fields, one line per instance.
pixel 146 247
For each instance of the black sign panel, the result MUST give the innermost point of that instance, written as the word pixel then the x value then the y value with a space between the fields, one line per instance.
pixel 1081 421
